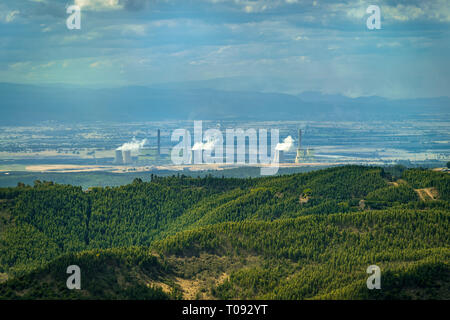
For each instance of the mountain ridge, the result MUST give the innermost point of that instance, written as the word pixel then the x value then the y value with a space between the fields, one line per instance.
pixel 27 104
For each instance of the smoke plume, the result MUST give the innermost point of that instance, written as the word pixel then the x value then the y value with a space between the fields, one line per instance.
pixel 134 145
pixel 286 146
pixel 209 145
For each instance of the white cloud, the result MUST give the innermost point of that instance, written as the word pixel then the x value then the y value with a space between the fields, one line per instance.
pixel 19 65
pixel 46 28
pixel 170 23
pixel 89 36
pixel 104 63
pixel 402 12
pixel 99 5
pixel 136 29
pixel 300 37
pixel 44 66
pixel 438 10
pixel 47 65
pixel 388 44
pixel 11 16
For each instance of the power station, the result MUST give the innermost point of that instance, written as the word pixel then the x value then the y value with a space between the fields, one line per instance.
pixel 303 154
pixel 149 155
pixel 145 154
pixel 123 157
pixel 153 155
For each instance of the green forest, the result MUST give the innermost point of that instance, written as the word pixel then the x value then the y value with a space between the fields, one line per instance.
pixel 305 235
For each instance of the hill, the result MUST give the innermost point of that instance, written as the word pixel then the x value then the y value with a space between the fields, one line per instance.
pixel 298 236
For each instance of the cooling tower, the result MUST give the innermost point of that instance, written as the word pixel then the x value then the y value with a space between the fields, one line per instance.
pixel 118 157
pixel 279 156
pixel 127 157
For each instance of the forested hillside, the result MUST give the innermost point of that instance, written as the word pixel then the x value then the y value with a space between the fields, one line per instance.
pixel 298 236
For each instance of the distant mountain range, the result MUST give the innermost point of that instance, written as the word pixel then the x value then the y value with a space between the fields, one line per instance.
pixel 27 104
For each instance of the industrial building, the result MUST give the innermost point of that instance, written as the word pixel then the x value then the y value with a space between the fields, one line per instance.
pixel 279 156
pixel 118 159
pixel 127 157
pixel 146 155
pixel 152 155
pixel 303 154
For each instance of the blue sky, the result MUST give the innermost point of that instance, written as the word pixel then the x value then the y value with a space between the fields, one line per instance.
pixel 286 46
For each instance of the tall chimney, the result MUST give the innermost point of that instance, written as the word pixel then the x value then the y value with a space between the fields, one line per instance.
pixel 159 142
pixel 299 138
pixel 298 157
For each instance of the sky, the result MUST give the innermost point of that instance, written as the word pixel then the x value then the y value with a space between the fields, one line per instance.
pixel 288 46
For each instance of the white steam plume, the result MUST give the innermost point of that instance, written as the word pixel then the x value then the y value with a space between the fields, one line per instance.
pixel 209 145
pixel 286 146
pixel 134 145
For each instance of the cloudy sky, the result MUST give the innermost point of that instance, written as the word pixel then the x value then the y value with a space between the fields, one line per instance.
pixel 268 45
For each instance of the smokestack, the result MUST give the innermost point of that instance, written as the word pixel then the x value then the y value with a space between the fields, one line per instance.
pixel 298 157
pixel 187 148
pixel 127 157
pixel 299 138
pixel 159 142
pixel 118 157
